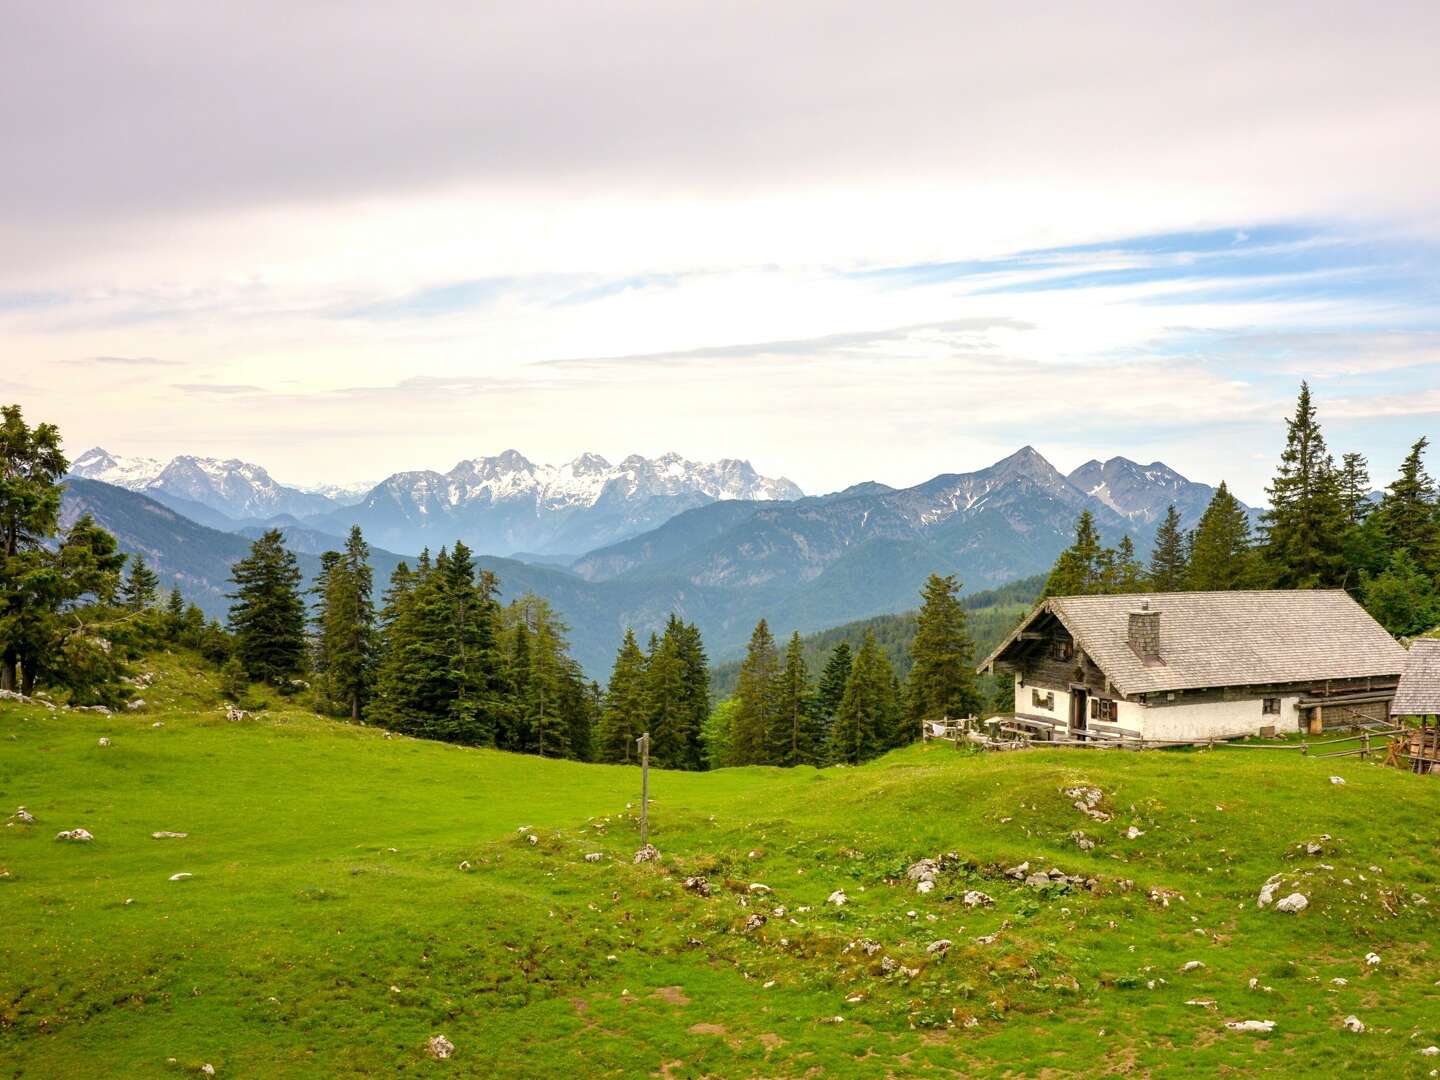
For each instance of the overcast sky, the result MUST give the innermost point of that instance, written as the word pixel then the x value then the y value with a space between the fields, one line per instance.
pixel 845 241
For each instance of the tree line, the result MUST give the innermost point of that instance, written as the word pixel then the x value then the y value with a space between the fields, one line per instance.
pixel 1324 528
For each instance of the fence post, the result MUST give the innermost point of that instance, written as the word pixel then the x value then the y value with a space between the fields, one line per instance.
pixel 643 742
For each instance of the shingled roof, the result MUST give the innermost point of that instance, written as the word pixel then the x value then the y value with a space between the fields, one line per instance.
pixel 1213 639
pixel 1419 690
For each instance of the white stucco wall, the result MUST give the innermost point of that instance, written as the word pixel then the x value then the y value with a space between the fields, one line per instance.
pixel 1183 720
pixel 1131 713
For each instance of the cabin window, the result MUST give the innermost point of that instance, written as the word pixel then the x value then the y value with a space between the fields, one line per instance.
pixel 1042 701
pixel 1270 706
pixel 1061 648
pixel 1106 711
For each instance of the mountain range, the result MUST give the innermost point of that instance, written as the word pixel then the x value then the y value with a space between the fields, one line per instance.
pixel 497 505
pixel 744 552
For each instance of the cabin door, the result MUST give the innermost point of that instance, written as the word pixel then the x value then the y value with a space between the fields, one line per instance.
pixel 1079 709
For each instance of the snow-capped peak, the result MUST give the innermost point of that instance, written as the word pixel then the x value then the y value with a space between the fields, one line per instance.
pixel 134 473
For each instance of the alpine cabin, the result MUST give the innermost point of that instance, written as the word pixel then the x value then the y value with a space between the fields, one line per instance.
pixel 1195 666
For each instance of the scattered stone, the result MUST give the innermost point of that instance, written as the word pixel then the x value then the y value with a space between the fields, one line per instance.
pixel 82 835
pixel 922 871
pixel 594 856
pixel 1251 1025
pixel 138 703
pixel 648 853
pixel 1038 880
pixel 1083 842
pixel 158 723
pixel 464 866
pixel 1018 872
pixel 838 898
pixel 1430 1051
pixel 924 887
pixel 938 948
pixel 976 898
pixel 104 741
pixel 1192 965
pixel 754 922
pixel 24 817
pixel 1337 780
pixel 1340 982
pixel 1162 896
pixel 698 885
pixel 1353 1023
pixel 1133 833
pixel 181 876
pixel 1267 891
pixel 1087 801
pixel 988 939
pixel 532 839
pixel 757 889
pixel 101 709
pixel 1372 958
pixel 207 1069
pixel 234 713
pixel 169 835
pixel 439 1047
pixel 1204 1003
pixel 1293 903
pixel 888 965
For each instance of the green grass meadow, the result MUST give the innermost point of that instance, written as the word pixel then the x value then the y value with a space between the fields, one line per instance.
pixel 329 929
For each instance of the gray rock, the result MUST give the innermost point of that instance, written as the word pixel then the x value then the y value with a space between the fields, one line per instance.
pixel 648 853
pixel 976 898
pixel 1292 903
pixel 938 948
pixel 594 856
pixel 81 835
pixel 1353 1023
pixel 169 835
pixel 439 1047
pixel 838 898
pixel 138 703
pixel 1251 1025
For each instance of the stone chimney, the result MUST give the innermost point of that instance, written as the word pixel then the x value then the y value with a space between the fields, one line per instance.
pixel 1145 633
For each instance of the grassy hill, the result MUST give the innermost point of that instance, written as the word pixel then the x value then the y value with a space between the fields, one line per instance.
pixel 330 926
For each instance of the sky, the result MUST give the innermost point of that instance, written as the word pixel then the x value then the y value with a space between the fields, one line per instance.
pixel 845 241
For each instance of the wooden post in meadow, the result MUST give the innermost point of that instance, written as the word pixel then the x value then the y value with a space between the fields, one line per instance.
pixel 643 745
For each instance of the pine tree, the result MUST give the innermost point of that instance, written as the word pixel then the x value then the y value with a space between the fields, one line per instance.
pixel 865 724
pixel 319 655
pixel 140 589
pixel 1406 517
pixel 668 716
pixel 1221 558
pixel 1305 522
pixel 695 695
pixel 1168 563
pixel 831 690
pixel 469 617
pixel 268 615
pixel 794 739
pixel 1128 575
pixel 941 682
pixel 1354 487
pixel 551 676
pixel 348 625
pixel 757 698
pixel 622 717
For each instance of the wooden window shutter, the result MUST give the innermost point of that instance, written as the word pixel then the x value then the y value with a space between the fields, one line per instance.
pixel 1094 708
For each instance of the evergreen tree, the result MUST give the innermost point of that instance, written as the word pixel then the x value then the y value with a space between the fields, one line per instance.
pixel 794 740
pixel 622 717
pixel 695 695
pixel 1127 574
pixel 1168 562
pixel 1303 546
pixel 174 614
pixel 140 589
pixel 553 677
pixel 1354 488
pixel 31 466
pixel 865 724
pixel 941 682
pixel 319 655
pixel 1221 557
pixel 1079 570
pixel 717 734
pixel 268 615
pixel 348 629
pixel 831 689
pixel 468 619
pixel 1406 517
pixel 668 717
pixel 757 699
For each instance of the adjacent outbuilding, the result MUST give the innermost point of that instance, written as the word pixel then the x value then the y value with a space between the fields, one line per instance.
pixel 1418 695
pixel 1195 666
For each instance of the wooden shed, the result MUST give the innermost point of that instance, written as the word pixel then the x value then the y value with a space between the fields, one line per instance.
pixel 1418 695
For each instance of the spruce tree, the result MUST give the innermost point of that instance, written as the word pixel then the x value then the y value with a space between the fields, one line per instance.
pixel 1304 525
pixel 794 737
pixel 1079 570
pixel 695 695
pixel 1128 575
pixel 140 589
pixel 941 682
pixel 757 700
pixel 831 689
pixel 865 724
pixel 622 716
pixel 1402 598
pixel 1354 487
pixel 1168 564
pixel 667 715
pixel 268 615
pixel 1221 558
pixel 348 628
pixel 552 675
pixel 1406 517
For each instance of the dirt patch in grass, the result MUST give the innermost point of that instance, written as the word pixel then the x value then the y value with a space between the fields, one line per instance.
pixel 674 995
pixel 708 1029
